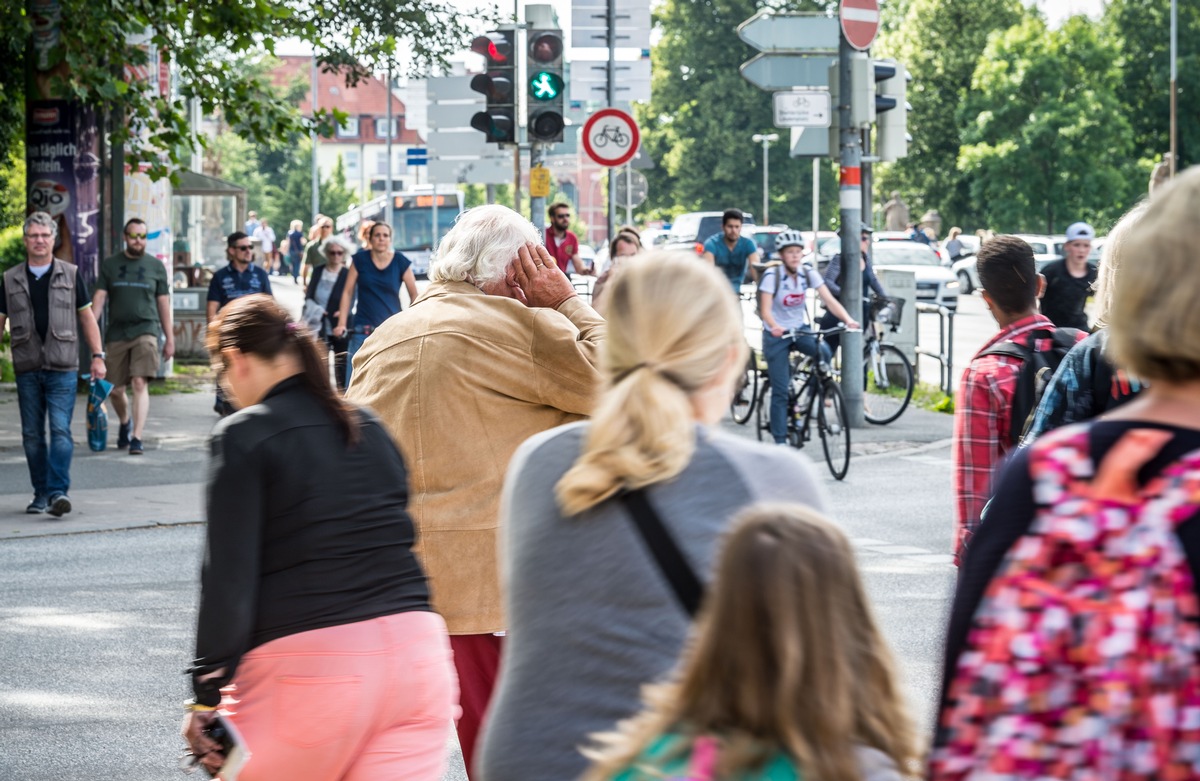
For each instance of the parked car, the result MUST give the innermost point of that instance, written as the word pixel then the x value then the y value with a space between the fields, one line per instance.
pixel 966 274
pixel 764 237
pixel 691 230
pixel 1046 249
pixel 936 284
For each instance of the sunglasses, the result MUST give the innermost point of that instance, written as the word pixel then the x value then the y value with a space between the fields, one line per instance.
pixel 244 248
pixel 334 254
pixel 135 235
pixel 562 216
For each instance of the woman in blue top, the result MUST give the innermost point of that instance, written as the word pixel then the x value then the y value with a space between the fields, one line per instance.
pixel 375 277
pixel 782 295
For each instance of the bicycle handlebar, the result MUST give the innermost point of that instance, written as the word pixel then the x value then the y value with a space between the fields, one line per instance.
pixel 837 329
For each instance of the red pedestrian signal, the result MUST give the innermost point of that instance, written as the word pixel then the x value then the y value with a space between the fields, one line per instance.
pixel 496 47
pixel 498 85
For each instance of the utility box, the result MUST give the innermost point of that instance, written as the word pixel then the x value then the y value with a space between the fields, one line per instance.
pixel 191 322
pixel 902 284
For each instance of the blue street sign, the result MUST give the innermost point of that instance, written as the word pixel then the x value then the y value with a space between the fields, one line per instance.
pixel 418 157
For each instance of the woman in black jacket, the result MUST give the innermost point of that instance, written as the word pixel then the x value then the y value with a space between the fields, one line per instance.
pixel 324 289
pixel 314 612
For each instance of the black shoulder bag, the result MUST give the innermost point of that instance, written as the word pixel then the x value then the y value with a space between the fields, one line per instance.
pixel 671 561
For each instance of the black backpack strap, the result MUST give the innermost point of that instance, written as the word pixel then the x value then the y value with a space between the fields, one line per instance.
pixel 670 559
pixel 1011 349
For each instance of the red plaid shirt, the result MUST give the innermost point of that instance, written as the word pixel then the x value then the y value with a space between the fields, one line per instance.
pixel 982 424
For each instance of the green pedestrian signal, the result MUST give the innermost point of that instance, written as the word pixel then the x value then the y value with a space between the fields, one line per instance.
pixel 545 86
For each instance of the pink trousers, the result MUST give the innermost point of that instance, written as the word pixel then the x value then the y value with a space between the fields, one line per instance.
pixel 360 702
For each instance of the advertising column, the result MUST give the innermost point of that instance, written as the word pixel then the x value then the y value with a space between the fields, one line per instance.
pixel 62 146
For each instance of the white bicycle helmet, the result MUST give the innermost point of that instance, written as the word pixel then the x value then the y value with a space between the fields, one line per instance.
pixel 788 238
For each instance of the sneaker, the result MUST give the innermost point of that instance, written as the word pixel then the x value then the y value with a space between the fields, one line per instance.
pixel 123 436
pixel 60 505
pixel 39 505
pixel 135 447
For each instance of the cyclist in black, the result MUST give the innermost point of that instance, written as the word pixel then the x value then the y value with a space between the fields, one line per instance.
pixel 782 296
pixel 835 276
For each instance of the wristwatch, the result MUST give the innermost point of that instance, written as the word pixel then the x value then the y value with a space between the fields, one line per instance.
pixel 101 355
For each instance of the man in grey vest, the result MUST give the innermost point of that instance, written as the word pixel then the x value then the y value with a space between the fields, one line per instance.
pixel 47 306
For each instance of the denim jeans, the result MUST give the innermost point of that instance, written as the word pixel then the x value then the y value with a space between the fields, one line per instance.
pixel 775 351
pixel 356 341
pixel 41 394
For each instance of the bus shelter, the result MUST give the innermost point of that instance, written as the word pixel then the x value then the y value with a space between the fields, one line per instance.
pixel 205 210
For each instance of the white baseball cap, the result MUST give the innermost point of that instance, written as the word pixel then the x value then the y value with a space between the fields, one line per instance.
pixel 1080 231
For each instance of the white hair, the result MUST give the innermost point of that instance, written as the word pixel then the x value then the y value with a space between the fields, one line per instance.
pixel 483 241
pixel 43 219
pixel 339 241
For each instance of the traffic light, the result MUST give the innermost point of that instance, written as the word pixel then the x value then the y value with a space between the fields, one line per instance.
pixel 891 110
pixel 497 83
pixel 545 86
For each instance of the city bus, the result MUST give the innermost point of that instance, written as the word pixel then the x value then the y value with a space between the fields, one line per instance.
pixel 413 215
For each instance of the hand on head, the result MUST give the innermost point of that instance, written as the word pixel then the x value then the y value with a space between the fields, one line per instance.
pixel 536 279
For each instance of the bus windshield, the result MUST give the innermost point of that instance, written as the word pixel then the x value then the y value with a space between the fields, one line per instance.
pixel 412 219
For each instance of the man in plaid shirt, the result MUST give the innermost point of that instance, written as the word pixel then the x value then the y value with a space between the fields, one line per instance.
pixel 983 404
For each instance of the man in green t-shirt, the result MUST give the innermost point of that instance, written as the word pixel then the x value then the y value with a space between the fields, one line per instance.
pixel 139 306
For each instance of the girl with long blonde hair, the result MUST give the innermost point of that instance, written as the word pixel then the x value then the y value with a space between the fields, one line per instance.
pixel 592 613
pixel 787 676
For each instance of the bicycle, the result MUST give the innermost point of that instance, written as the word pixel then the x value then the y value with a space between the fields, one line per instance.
pixel 746 399
pixel 813 396
pixel 887 371
pixel 610 133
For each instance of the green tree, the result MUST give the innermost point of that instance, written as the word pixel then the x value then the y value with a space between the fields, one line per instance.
pixel 207 42
pixel 1140 30
pixel 699 122
pixel 293 199
pixel 939 42
pixel 1046 141
pixel 12 186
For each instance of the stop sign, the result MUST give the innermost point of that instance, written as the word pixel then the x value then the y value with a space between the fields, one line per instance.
pixel 860 22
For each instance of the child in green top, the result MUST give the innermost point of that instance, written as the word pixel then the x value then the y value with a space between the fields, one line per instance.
pixel 787 676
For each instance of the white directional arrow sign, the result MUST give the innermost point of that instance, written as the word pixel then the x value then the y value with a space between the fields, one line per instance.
pixel 803 109
pixel 782 32
pixel 784 71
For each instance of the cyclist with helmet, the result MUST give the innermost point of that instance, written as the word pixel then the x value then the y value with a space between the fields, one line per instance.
pixel 782 296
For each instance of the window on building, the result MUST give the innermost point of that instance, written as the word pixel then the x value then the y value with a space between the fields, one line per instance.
pixel 381 163
pixel 381 127
pixel 348 128
pixel 352 161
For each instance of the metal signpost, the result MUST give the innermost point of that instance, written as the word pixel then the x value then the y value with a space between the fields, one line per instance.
pixel 860 23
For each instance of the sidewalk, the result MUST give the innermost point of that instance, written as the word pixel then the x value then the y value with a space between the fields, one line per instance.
pixel 112 490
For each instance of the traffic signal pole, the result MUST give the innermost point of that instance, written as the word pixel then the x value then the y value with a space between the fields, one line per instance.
pixel 610 99
pixel 537 203
pixel 850 199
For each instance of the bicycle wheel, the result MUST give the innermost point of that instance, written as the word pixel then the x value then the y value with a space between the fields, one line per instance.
pixel 835 434
pixel 742 406
pixel 889 385
pixel 763 410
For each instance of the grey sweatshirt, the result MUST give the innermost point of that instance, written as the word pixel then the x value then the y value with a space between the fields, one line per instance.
pixel 591 618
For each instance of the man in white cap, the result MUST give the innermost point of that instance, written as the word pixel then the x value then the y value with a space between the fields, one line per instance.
pixel 1070 280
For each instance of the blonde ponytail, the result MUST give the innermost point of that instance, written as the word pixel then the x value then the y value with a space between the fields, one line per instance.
pixel 671 324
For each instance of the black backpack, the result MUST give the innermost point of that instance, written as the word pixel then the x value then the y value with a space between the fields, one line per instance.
pixel 1037 368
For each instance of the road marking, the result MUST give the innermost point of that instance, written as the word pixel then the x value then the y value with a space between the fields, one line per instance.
pixel 909 552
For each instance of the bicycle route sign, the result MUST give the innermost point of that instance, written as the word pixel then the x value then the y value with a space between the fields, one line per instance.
pixel 611 137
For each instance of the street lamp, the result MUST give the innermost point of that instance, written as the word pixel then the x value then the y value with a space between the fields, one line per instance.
pixel 766 141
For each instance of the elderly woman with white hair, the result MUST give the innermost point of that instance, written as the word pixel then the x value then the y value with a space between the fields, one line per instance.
pixel 497 349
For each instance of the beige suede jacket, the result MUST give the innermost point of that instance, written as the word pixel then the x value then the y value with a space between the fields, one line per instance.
pixel 460 379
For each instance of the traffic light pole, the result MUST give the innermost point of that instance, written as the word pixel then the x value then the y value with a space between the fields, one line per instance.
pixel 850 198
pixel 610 98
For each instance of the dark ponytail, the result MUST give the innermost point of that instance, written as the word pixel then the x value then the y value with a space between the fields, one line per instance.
pixel 258 325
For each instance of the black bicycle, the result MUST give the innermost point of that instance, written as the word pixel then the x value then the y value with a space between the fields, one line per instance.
pixel 746 398
pixel 888 372
pixel 814 401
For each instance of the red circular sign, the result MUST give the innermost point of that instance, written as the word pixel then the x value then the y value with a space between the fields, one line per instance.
pixel 611 137
pixel 860 22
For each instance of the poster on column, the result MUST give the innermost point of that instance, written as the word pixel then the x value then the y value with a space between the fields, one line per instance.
pixel 62 147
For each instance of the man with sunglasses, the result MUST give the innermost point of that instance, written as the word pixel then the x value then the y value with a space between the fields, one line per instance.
pixel 562 243
pixel 137 291
pixel 240 278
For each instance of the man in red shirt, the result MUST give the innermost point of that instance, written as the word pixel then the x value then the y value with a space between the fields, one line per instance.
pixel 561 242
pixel 983 404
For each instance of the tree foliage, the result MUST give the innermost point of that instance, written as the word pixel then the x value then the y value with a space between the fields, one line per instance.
pixel 208 43
pixel 699 123
pixel 1140 32
pixel 939 42
pixel 1046 142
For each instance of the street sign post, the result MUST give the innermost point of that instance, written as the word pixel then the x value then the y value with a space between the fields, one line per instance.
pixel 860 22
pixel 783 71
pixel 770 31
pixel 611 137
pixel 803 109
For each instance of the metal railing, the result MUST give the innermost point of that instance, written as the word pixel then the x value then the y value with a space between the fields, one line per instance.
pixel 945 352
